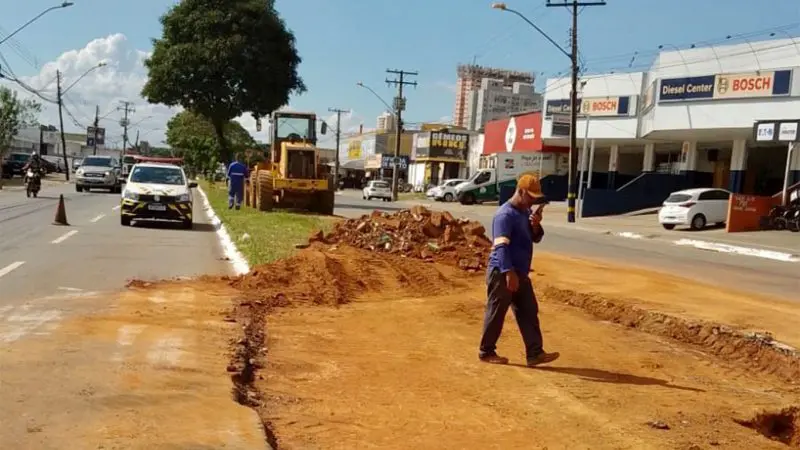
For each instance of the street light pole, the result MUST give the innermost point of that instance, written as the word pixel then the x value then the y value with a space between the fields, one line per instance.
pixel 572 184
pixel 52 8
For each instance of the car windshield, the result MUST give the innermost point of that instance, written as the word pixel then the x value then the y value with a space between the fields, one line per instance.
pixel 19 157
pixel 157 175
pixel 678 198
pixel 96 162
pixel 380 184
pixel 128 160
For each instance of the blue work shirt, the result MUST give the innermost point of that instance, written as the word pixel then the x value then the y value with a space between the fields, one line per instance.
pixel 237 174
pixel 513 239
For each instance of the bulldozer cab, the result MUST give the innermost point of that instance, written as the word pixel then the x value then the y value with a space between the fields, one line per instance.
pixel 294 141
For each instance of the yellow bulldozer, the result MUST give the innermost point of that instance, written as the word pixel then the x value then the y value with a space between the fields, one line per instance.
pixel 293 177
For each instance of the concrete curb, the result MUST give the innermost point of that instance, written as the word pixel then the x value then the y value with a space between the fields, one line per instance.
pixel 238 261
pixel 739 250
pixel 719 247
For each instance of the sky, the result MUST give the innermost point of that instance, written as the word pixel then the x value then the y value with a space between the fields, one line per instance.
pixel 346 42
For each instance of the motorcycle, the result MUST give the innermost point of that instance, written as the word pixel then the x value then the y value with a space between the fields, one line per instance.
pixel 33 183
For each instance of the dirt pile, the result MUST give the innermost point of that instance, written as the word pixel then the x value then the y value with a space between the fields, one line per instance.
pixel 754 350
pixel 416 233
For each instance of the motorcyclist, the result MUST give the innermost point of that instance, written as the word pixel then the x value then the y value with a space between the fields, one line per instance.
pixel 34 163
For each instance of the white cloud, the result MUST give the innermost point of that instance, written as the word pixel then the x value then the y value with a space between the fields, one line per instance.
pixel 122 79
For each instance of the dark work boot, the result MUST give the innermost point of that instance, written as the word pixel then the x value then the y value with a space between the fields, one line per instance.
pixel 543 358
pixel 493 358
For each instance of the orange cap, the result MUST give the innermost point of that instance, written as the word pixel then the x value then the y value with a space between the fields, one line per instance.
pixel 530 184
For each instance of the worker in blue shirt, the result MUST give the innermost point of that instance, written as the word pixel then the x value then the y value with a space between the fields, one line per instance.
pixel 236 177
pixel 515 228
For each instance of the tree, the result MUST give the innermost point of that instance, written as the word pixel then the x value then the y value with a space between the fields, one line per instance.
pixel 194 139
pixel 222 59
pixel 14 115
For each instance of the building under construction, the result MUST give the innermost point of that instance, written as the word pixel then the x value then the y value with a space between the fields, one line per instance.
pixel 469 79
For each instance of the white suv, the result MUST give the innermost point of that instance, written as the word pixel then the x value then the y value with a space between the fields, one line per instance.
pixel 377 189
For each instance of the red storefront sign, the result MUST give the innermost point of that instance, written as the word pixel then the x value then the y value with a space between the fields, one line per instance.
pixel 516 134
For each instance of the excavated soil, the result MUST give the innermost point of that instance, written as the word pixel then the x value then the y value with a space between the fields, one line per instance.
pixel 416 233
pixel 782 426
pixel 368 339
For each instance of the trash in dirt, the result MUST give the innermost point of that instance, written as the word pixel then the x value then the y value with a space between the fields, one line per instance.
pixel 658 425
pixel 418 233
pixel 244 237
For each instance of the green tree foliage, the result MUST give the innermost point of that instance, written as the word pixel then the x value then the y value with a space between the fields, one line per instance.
pixel 193 138
pixel 14 115
pixel 222 59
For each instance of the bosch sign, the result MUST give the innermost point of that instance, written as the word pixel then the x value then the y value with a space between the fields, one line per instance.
pixel 592 106
pixel 726 86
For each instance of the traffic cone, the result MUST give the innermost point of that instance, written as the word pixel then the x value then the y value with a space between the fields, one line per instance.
pixel 61 213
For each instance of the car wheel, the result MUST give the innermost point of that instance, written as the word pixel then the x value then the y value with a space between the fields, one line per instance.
pixel 78 188
pixel 698 222
pixel 448 197
pixel 125 221
pixel 668 226
pixel 369 198
pixel 188 224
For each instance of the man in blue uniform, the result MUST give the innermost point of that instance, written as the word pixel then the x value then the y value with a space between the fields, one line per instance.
pixel 515 228
pixel 237 177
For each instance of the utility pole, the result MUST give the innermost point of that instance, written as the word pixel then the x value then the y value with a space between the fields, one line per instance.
pixel 61 122
pixel 338 144
pixel 96 124
pixel 399 105
pixel 572 186
pixel 126 107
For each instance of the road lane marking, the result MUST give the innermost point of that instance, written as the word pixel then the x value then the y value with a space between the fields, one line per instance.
pixel 116 208
pixel 167 351
pixel 65 236
pixel 11 267
pixel 25 322
pixel 97 218
pixel 126 335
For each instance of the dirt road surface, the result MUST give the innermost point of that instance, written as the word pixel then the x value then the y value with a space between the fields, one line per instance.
pixel 384 355
pixel 147 373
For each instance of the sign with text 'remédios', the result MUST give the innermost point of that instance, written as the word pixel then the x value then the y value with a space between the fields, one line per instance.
pixel 726 86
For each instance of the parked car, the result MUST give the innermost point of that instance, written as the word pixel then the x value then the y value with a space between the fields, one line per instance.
pixel 378 189
pixel 13 163
pixel 445 191
pixel 695 208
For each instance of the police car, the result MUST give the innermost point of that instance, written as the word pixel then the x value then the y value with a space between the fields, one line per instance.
pixel 157 191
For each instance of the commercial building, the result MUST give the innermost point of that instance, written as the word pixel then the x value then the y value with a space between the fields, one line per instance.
pixel 385 122
pixel 439 155
pixel 495 98
pixel 470 78
pixel 686 122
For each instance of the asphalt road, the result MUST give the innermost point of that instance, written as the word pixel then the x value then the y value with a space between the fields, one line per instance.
pixel 747 273
pixel 94 253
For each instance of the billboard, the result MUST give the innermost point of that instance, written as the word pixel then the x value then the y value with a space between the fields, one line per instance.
pixel 726 86
pixel 444 146
pixel 610 106
pixel 521 133
pixel 90 136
